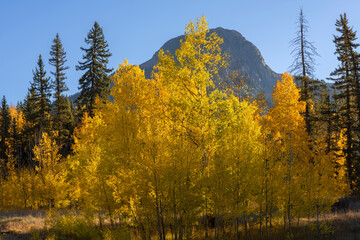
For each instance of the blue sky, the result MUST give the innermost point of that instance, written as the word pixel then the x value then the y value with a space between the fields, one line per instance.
pixel 136 29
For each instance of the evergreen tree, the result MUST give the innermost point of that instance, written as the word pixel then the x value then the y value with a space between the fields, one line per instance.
pixel 58 60
pixel 72 107
pixel 5 134
pixel 36 109
pixel 70 112
pixel 327 119
pixel 15 142
pixel 61 119
pixel 95 82
pixel 346 83
pixel 69 125
pixel 304 53
pixel 41 88
pixel 28 108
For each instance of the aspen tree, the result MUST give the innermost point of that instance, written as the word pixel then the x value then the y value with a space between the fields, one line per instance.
pixel 192 106
pixel 50 174
pixel 289 131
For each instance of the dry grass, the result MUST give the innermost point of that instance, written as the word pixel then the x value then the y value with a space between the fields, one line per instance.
pixel 21 222
pixel 346 224
pixel 349 216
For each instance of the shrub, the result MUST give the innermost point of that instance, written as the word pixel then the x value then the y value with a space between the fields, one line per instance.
pixel 119 233
pixel 74 227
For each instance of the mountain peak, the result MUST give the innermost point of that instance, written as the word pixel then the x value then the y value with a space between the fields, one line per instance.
pixel 244 58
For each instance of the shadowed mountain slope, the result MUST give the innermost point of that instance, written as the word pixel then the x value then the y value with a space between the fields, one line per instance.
pixel 244 58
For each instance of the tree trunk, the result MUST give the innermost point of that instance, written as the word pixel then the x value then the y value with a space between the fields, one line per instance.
pixel 158 209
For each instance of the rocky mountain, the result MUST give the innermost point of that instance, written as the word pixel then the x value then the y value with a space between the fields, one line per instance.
pixel 244 58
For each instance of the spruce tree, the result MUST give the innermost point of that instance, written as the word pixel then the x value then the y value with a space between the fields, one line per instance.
pixel 304 53
pixel 15 142
pixel 95 82
pixel 346 82
pixel 61 119
pixel 73 110
pixel 69 125
pixel 36 109
pixel 41 86
pixel 28 108
pixel 326 114
pixel 5 134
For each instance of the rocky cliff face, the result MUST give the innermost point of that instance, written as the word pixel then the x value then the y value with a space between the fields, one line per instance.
pixel 244 58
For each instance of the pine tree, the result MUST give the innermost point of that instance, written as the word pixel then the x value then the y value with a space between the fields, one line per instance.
pixel 327 118
pixel 42 92
pixel 5 134
pixel 346 77
pixel 95 82
pixel 15 141
pixel 58 60
pixel 72 107
pixel 61 118
pixel 36 108
pixel 28 108
pixel 304 53
pixel 69 125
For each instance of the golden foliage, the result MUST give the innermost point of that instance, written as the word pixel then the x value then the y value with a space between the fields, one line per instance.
pixel 171 148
